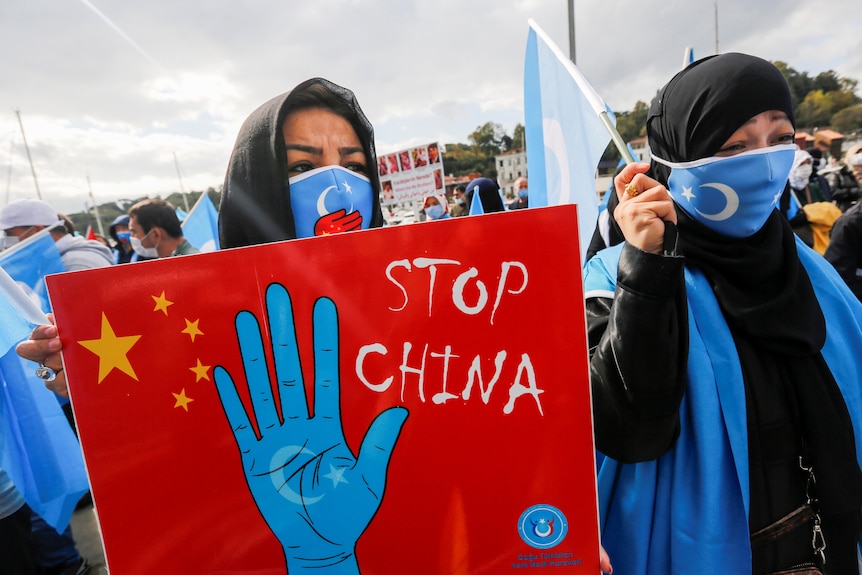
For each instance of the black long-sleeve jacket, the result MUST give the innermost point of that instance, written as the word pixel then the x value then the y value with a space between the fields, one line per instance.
pixel 638 355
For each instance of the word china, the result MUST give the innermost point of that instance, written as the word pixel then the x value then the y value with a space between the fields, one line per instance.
pixel 512 280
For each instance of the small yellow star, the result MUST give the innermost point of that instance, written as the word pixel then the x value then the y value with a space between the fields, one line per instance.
pixel 192 329
pixel 162 303
pixel 201 371
pixel 112 350
pixel 182 400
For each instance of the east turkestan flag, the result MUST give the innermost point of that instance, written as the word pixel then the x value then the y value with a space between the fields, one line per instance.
pixel 565 133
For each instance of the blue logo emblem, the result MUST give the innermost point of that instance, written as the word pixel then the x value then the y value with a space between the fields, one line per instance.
pixel 543 526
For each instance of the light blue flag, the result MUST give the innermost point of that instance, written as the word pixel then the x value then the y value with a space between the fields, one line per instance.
pixel 476 203
pixel 29 262
pixel 38 449
pixel 200 227
pixel 565 134
pixel 18 314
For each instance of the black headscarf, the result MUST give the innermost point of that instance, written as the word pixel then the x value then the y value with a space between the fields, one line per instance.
pixel 760 284
pixel 489 195
pixel 255 206
pixel 704 104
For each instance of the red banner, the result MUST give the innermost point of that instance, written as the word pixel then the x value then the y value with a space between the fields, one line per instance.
pixel 410 399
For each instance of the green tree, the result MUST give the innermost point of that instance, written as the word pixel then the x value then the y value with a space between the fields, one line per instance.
pixel 488 138
pixel 815 110
pixel 519 139
pixel 630 125
pixel 462 160
pixel 843 98
pixel 827 81
pixel 848 120
pixel 800 84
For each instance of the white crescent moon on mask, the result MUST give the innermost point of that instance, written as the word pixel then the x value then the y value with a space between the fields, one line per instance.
pixel 732 202
pixel 321 201
pixel 555 141
pixel 277 464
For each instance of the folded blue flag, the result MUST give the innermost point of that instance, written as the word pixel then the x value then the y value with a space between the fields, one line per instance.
pixel 38 449
pixel 565 134
pixel 200 227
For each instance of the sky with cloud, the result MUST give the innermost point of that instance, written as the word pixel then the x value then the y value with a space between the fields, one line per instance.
pixel 126 94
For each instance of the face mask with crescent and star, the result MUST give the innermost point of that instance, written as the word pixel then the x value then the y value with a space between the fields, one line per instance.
pixel 330 200
pixel 732 195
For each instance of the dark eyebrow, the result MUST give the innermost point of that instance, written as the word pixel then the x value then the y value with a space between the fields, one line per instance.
pixel 345 151
pixel 304 148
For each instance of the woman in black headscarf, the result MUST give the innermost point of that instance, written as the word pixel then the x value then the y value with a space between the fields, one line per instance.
pixel 257 206
pixel 726 398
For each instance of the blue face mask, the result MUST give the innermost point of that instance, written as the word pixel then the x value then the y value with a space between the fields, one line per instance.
pixel 522 193
pixel 434 212
pixel 733 196
pixel 330 200
pixel 124 237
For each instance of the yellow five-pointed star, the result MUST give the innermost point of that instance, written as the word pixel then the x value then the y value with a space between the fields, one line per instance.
pixel 201 371
pixel 162 303
pixel 112 350
pixel 192 329
pixel 182 400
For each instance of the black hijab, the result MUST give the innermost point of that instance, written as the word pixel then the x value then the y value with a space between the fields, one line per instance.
pixel 489 195
pixel 763 289
pixel 255 207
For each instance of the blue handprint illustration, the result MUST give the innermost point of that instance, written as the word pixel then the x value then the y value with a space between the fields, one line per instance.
pixel 316 496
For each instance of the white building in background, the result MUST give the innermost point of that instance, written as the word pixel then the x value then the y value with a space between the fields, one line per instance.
pixel 640 147
pixel 510 166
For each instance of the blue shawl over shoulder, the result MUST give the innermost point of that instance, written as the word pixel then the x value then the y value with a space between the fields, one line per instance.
pixel 687 512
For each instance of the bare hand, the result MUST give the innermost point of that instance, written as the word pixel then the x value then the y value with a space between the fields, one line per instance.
pixel 641 217
pixel 605 561
pixel 44 347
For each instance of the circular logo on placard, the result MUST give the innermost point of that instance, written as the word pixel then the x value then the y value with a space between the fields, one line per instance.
pixel 543 526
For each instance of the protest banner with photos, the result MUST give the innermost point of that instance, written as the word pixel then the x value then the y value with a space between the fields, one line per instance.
pixel 411 174
pixel 381 401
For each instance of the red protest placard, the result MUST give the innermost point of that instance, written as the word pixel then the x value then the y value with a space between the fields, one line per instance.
pixel 411 399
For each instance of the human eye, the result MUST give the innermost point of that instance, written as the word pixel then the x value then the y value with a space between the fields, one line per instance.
pixel 299 167
pixel 784 139
pixel 731 149
pixel 358 167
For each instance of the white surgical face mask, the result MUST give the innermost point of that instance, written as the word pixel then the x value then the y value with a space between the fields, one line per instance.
pixel 800 175
pixel 434 212
pixel 8 242
pixel 152 252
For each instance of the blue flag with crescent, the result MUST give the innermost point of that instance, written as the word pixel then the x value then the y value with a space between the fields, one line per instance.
pixel 38 449
pixel 565 134
pixel 200 226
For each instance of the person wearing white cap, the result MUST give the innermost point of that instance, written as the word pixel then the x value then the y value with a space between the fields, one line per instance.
pixel 24 218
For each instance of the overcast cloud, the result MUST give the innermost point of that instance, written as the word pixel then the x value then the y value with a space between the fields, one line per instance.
pixel 113 90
